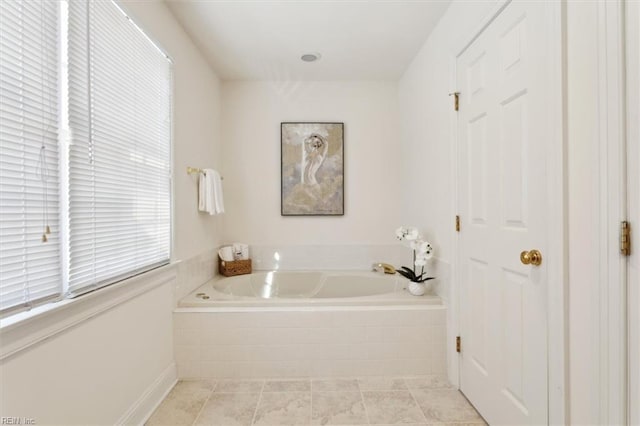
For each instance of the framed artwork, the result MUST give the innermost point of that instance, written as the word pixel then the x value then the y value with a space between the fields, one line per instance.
pixel 312 165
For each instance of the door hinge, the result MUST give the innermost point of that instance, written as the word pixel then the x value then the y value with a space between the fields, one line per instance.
pixel 458 345
pixel 456 100
pixel 625 238
pixel 457 223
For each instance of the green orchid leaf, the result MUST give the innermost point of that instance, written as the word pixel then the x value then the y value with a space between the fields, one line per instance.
pixel 412 274
pixel 404 273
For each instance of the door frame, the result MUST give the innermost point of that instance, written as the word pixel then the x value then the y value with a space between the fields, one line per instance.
pixel 557 295
pixel 611 287
pixel 632 89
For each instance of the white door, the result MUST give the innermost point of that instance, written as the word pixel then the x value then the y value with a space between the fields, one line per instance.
pixel 503 131
pixel 633 198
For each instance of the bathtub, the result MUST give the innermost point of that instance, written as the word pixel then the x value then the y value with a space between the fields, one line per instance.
pixel 305 288
pixel 308 324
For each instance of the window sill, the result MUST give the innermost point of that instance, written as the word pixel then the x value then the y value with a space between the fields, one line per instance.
pixel 25 329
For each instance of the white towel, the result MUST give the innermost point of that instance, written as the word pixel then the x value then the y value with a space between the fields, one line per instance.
pixel 210 192
pixel 217 192
pixel 240 251
pixel 226 253
pixel 235 251
pixel 202 193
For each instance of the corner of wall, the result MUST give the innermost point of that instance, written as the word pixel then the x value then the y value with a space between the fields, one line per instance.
pixel 143 408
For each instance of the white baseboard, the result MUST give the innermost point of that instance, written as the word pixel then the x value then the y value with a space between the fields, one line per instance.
pixel 141 410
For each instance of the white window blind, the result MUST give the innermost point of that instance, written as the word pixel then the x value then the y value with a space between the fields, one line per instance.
pixel 29 184
pixel 120 120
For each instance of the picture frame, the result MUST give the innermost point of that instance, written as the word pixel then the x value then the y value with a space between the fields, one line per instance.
pixel 312 168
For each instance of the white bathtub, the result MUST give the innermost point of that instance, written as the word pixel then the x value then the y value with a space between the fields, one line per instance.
pixel 304 324
pixel 308 288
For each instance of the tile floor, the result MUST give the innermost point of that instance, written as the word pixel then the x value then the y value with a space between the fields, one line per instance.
pixel 422 400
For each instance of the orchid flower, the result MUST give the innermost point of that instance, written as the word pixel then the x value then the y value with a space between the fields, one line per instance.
pixel 422 251
pixel 408 233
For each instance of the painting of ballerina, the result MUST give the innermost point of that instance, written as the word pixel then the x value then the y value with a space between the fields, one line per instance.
pixel 312 169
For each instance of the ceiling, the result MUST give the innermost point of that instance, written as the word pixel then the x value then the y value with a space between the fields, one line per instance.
pixel 264 39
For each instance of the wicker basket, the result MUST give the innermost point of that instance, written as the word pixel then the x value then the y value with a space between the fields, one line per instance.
pixel 236 267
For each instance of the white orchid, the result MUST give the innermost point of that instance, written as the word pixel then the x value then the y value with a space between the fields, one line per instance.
pixel 422 251
pixel 407 233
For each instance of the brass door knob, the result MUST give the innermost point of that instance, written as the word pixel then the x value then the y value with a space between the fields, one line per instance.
pixel 532 257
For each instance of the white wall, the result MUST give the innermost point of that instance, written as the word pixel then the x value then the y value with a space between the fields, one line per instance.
pixel 425 111
pixel 252 115
pixel 94 372
pixel 426 151
pixel 196 139
pixel 426 126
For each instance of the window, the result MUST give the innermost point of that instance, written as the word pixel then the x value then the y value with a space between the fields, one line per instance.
pixel 29 179
pixel 119 167
pixel 95 92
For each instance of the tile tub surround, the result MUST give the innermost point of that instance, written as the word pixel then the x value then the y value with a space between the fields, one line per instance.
pixel 418 400
pixel 369 341
pixel 193 272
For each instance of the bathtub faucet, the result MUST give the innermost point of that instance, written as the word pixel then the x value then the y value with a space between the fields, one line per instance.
pixel 384 267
